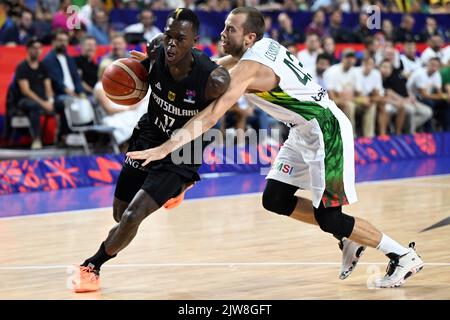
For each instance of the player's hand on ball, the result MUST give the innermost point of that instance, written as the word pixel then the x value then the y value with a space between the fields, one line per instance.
pixel 149 155
pixel 138 55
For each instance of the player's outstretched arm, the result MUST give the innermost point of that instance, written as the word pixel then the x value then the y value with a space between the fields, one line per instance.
pixel 241 77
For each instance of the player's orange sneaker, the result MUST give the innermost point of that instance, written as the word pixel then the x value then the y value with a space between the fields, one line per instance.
pixel 176 201
pixel 85 279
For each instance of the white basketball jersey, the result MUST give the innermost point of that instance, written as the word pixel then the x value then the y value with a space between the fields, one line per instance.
pixel 298 98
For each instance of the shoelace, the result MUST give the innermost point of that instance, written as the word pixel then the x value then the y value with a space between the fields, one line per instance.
pixel 89 273
pixel 393 263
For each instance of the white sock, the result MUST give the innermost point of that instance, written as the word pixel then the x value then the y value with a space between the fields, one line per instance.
pixel 387 245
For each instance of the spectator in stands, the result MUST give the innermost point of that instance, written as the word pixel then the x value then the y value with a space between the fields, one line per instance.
pixel 405 31
pixel 409 61
pixel 43 20
pixel 308 56
pixel 287 33
pixel 446 55
pixel 214 5
pixel 36 90
pixel 145 26
pixel 323 62
pixel 303 5
pixel 388 30
pixel 391 53
pixel 122 118
pixel 426 85
pixel 118 48
pixel 361 31
pixel 49 6
pixel 174 4
pixel 78 34
pixel 270 32
pixel 6 21
pixel 290 5
pixel 430 29
pixel 60 18
pixel 398 101
pixel 439 6
pixel 342 85
pixel 370 89
pixel 87 65
pixel 62 70
pixel 189 4
pixel 371 47
pixel 158 5
pixel 339 33
pixel 317 24
pixel 433 50
pixel 20 32
pixel 329 47
pixel 99 28
pixel 291 47
pixel 321 4
pixel 87 11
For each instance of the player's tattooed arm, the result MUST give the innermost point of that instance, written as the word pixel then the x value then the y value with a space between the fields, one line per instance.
pixel 217 84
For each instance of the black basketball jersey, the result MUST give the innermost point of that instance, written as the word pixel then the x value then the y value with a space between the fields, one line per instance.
pixel 173 103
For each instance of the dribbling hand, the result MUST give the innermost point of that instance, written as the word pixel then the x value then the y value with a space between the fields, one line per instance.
pixel 138 55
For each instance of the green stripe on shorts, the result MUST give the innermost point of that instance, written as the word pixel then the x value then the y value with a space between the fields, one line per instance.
pixel 334 194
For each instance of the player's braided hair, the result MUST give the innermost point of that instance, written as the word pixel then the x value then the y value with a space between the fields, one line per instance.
pixel 184 14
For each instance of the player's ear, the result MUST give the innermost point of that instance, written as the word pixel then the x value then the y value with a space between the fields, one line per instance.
pixel 252 37
pixel 196 39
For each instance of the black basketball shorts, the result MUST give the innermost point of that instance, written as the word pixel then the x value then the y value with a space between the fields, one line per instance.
pixel 161 180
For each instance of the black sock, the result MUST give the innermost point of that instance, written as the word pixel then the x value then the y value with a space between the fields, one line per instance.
pixel 98 259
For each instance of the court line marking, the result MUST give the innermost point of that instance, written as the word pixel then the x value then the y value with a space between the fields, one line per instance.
pixel 251 194
pixel 212 264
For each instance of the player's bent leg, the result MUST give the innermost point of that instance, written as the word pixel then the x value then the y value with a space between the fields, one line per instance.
pixel 140 208
pixel 278 197
pixel 365 233
pixel 128 184
pixel 119 208
pixel 334 221
pixel 404 262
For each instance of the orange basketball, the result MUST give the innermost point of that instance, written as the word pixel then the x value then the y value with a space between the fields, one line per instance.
pixel 125 81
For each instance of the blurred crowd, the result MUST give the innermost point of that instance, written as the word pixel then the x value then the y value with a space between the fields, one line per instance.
pixel 389 87
pixel 384 89
pixel 21 19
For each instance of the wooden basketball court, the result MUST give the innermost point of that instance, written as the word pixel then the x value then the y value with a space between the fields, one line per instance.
pixel 231 248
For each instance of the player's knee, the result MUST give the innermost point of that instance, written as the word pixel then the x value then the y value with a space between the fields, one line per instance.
pixel 278 200
pixel 333 221
pixel 119 208
pixel 130 218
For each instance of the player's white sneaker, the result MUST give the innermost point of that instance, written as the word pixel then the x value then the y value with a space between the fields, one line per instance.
pixel 351 252
pixel 400 268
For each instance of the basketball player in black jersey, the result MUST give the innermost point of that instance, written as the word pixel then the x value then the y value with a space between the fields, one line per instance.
pixel 183 82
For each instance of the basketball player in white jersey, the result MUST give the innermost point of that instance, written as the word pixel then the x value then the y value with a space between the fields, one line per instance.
pixel 318 154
